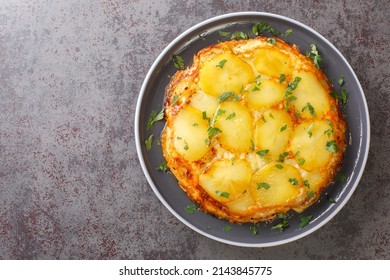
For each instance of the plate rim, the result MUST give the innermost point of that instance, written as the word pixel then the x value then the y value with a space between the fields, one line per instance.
pixel 141 95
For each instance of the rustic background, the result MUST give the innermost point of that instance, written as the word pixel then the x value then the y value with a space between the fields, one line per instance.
pixel 70 182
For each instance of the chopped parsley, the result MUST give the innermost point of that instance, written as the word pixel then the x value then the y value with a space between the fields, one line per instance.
pixel 278 166
pixel 252 147
pixel 293 181
pixel 255 88
pixel 191 209
pixel 212 131
pixel 223 194
pixel 271 41
pixel 231 116
pixel 283 224
pixel 306 183
pixel 174 99
pixel 288 33
pixel 207 142
pixel 220 112
pixel 239 35
pixel 186 146
pixel 341 80
pixel 305 220
pixel 310 108
pixel 254 229
pixel 263 185
pixel 297 115
pixel 178 61
pixel 301 161
pixel 271 116
pixel 330 130
pixel 332 147
pixel 283 156
pixel 221 63
pixel 314 55
pixel 309 130
pixel 282 78
pixel 263 118
pixel 342 177
pixel 260 27
pixel 224 33
pixel 283 128
pixel 148 142
pixel 331 199
pixel 310 194
pixel 162 167
pixel 227 228
pixel 153 118
pixel 289 90
pixel 225 96
pixel 195 124
pixel 262 153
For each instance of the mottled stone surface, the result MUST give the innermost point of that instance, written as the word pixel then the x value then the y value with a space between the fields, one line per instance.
pixel 71 186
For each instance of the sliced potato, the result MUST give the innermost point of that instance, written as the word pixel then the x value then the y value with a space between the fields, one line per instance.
pixel 309 143
pixel 276 184
pixel 204 103
pixel 311 97
pixel 241 204
pixel 265 94
pixel 224 73
pixel 226 180
pixel 272 62
pixel 190 132
pixel 272 132
pixel 236 125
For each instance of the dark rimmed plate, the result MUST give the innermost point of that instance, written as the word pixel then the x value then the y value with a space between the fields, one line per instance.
pixel 165 185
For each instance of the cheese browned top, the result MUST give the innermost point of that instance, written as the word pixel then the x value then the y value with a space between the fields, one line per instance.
pixel 251 130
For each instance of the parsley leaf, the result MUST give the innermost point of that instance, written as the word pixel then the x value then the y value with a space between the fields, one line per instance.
pixel 262 153
pixel 263 185
pixel 225 96
pixel 310 108
pixel 271 41
pixel 283 223
pixel 260 27
pixel 154 117
pixel 178 61
pixel 341 80
pixel 227 228
pixel 306 183
pixel 212 131
pixel 332 147
pixel 224 33
pixel 231 116
pixel 310 194
pixel 239 35
pixel 223 194
pixel 191 209
pixel 148 142
pixel 283 156
pixel 282 78
pixel 293 181
pixel 253 229
pixel 221 63
pixel 288 33
pixel 309 130
pixel 283 128
pixel 305 220
pixel 252 147
pixel 301 161
pixel 331 199
pixel 278 166
pixel 342 177
pixel 314 54
pixel 162 167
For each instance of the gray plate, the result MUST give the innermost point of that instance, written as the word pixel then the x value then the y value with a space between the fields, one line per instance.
pixel 165 185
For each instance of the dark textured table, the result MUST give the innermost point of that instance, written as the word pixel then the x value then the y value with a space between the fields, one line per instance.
pixel 71 186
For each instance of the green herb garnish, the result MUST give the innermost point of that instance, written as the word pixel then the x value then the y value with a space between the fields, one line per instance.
pixel 263 185
pixel 191 209
pixel 271 41
pixel 148 142
pixel 162 167
pixel 341 80
pixel 305 220
pixel 293 181
pixel 332 147
pixel 313 54
pixel 225 96
pixel 227 228
pixel 153 118
pixel 260 27
pixel 212 131
pixel 282 78
pixel 301 161
pixel 221 63
pixel 309 130
pixel 224 33
pixel 223 194
pixel 310 108
pixel 239 35
pixel 178 61
pixel 262 153
pixel 253 229
pixel 283 128
pixel 232 115
pixel 306 183
pixel 278 166
pixel 283 156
